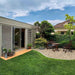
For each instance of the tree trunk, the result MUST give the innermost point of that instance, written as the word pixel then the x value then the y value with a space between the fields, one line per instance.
pixel 40 34
pixel 70 34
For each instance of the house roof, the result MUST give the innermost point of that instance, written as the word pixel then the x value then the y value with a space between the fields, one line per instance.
pixel 11 22
pixel 61 25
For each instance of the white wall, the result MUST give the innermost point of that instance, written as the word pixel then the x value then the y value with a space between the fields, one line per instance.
pixel 6 34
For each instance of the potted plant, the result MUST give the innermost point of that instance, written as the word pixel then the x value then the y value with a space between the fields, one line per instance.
pixel 9 52
pixel 5 52
pixel 29 46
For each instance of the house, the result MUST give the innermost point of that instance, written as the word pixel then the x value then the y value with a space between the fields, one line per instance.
pixel 59 28
pixel 15 35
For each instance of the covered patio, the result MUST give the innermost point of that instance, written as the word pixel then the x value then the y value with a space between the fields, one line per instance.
pixel 15 35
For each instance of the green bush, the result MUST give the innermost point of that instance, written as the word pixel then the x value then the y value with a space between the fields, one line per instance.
pixel 62 43
pixel 60 38
pixel 9 51
pixel 4 50
pixel 73 36
pixel 73 44
pixel 37 35
pixel 66 42
pixel 73 40
pixel 64 39
pixel 40 42
pixel 29 45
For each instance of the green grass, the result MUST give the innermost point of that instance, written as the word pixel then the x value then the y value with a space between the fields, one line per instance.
pixel 34 63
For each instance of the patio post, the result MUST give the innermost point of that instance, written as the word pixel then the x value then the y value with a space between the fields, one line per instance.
pixel 20 36
pixel 12 37
pixel 26 37
pixel 0 40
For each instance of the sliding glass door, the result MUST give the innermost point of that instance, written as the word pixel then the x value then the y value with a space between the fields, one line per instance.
pixel 19 38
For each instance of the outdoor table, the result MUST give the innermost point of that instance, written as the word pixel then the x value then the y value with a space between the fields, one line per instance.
pixel 56 46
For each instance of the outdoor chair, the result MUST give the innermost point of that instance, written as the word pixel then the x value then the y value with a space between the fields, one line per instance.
pixel 50 45
pixel 67 47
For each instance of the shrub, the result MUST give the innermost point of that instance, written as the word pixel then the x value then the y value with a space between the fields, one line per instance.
pixel 29 45
pixel 60 38
pixel 64 39
pixel 4 50
pixel 37 35
pixel 62 43
pixel 9 51
pixel 40 42
pixel 73 36
pixel 73 44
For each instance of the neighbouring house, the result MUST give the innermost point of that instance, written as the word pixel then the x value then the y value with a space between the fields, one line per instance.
pixel 59 28
pixel 15 35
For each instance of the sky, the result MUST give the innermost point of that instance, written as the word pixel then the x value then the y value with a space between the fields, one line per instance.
pixel 30 11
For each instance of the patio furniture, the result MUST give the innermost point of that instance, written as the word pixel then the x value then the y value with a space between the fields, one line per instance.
pixel 67 47
pixel 55 46
pixel 52 45
pixel 49 45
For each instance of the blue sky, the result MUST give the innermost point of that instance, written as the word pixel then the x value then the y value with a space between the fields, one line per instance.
pixel 30 11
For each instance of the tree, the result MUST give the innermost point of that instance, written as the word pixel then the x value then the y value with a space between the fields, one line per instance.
pixel 70 25
pixel 37 23
pixel 46 29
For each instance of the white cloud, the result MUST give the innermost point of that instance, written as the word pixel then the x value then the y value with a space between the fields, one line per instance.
pixel 25 6
pixel 32 23
pixel 20 13
pixel 54 22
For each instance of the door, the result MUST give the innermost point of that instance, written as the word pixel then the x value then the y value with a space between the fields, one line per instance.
pixel 22 38
pixel 17 38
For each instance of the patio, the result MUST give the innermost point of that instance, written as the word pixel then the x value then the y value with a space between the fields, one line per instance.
pixel 58 54
pixel 17 53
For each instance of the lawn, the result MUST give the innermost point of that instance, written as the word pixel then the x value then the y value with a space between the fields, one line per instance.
pixel 34 63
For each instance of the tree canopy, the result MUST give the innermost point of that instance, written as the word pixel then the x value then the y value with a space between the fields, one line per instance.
pixel 45 29
pixel 70 25
pixel 37 23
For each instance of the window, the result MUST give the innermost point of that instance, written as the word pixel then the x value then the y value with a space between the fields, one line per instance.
pixel 62 32
pixel 72 33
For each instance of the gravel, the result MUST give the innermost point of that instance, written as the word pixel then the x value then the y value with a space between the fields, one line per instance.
pixel 58 54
